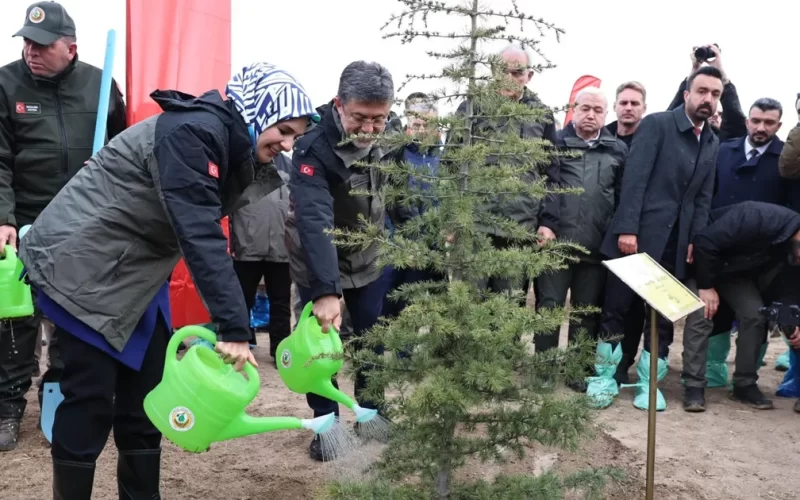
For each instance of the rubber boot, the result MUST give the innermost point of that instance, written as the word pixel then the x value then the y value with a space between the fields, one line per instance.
pixel 138 474
pixel 641 399
pixel 72 480
pixel 9 433
pixel 790 387
pixel 719 346
pixel 782 363
pixel 603 388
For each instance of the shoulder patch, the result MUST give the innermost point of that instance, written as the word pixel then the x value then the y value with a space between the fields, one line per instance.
pixel 213 170
pixel 306 169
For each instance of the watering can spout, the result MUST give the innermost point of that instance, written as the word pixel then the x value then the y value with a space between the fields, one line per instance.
pixel 245 425
pixel 326 389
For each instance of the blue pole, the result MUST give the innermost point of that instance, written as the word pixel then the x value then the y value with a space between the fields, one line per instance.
pixel 105 93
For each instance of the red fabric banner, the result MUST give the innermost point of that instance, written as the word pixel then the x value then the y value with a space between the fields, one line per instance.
pixel 183 45
pixel 580 84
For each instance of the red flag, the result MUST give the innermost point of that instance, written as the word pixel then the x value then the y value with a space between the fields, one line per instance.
pixel 183 45
pixel 580 84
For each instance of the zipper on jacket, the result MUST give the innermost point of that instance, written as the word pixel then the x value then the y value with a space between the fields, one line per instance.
pixel 62 127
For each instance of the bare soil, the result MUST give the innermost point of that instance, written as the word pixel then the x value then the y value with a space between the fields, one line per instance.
pixel 728 453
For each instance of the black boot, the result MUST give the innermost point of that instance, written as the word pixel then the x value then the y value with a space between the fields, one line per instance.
pixel 138 474
pixel 752 396
pixel 694 399
pixel 72 480
pixel 9 433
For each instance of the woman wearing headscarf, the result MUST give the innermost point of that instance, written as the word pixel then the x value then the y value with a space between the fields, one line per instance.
pixel 101 253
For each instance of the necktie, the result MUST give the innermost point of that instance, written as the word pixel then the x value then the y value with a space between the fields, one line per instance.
pixel 754 154
pixel 697 132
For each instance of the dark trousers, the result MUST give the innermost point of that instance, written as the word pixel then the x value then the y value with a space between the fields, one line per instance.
pixel 586 281
pixel 365 305
pixel 395 278
pixel 278 283
pixel 746 296
pixel 498 284
pixel 100 394
pixel 633 327
pixel 18 341
pixel 696 333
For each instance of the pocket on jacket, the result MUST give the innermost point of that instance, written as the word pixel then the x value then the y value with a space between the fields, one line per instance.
pixel 80 269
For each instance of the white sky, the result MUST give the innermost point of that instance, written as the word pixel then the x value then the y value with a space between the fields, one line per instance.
pixel 614 40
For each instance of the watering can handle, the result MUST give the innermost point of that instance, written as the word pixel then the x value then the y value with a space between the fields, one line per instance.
pixel 308 311
pixel 253 379
pixel 9 254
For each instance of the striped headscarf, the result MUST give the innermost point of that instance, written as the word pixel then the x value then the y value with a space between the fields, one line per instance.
pixel 265 95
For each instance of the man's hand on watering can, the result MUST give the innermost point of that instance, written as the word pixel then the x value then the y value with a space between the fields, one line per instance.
pixel 236 354
pixel 328 311
pixel 8 236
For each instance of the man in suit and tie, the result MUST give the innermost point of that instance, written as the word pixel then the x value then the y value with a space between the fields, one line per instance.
pixel 747 167
pixel 666 197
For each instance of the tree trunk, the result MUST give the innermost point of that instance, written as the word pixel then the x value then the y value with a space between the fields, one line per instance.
pixel 443 483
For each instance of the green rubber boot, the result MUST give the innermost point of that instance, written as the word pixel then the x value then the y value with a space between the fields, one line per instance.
pixel 602 388
pixel 641 399
pixel 719 346
pixel 782 363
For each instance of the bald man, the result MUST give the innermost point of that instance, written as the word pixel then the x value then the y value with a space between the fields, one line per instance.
pixel 583 218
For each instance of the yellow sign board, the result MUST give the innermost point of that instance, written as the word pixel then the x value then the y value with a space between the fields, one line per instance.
pixel 663 291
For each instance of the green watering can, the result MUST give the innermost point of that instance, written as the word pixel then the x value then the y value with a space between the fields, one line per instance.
pixel 303 374
pixel 202 400
pixel 15 295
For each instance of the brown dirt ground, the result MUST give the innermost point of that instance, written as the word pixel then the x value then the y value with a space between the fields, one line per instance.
pixel 728 453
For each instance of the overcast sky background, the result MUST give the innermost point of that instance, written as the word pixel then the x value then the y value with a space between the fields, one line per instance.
pixel 615 41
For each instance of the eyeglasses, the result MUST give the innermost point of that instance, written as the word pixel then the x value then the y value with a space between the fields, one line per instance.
pixel 375 121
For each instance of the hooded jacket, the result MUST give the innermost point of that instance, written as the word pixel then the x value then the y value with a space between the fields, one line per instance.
pixel 110 239
pixel 743 238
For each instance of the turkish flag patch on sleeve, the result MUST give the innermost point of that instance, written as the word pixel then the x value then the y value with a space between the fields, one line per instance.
pixel 307 170
pixel 213 170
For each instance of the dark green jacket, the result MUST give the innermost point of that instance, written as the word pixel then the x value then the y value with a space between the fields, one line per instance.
pixel 584 218
pixel 525 210
pixel 46 133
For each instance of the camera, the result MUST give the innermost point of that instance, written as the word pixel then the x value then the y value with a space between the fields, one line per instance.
pixel 787 317
pixel 705 54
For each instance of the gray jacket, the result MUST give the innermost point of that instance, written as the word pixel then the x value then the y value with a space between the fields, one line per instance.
pixel 257 230
pixel 111 237
pixel 584 218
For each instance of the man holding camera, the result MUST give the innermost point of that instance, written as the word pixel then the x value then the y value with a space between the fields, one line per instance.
pixel 732 122
pixel 749 256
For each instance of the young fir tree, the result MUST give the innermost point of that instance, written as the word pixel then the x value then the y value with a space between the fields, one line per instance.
pixel 472 387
